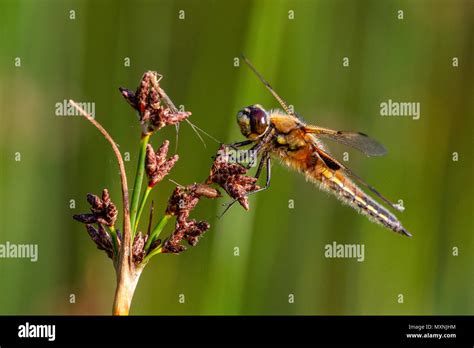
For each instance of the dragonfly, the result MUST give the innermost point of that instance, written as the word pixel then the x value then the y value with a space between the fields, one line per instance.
pixel 282 134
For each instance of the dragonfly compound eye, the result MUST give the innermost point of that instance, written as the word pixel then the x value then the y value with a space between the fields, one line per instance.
pixel 243 119
pixel 253 121
pixel 258 120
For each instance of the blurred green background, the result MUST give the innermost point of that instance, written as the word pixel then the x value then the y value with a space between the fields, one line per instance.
pixel 281 249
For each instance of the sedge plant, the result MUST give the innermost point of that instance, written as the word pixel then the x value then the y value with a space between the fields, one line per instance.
pixel 129 248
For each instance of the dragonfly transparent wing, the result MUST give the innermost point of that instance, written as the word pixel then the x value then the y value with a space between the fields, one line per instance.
pixel 334 164
pixel 357 140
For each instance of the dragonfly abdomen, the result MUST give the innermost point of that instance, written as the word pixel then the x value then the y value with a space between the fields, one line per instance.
pixel 352 195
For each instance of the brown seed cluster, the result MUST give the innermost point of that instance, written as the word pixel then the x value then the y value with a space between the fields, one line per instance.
pixel 138 248
pixel 154 107
pixel 101 238
pixel 156 110
pixel 103 211
pixel 231 177
pixel 181 203
pixel 156 164
pixel 190 231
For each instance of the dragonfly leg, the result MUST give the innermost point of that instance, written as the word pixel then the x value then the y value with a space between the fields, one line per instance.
pixel 235 146
pixel 267 162
pixel 227 207
pixel 255 149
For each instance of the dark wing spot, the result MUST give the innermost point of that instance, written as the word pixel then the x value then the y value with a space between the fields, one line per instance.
pixel 329 161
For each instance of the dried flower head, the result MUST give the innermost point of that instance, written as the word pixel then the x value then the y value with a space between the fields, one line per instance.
pixel 231 177
pixel 185 199
pixel 101 238
pixel 194 230
pixel 156 164
pixel 190 231
pixel 154 107
pixel 181 203
pixel 103 211
pixel 138 248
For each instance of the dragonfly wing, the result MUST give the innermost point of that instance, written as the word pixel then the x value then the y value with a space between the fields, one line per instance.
pixel 336 181
pixel 357 140
pixel 334 164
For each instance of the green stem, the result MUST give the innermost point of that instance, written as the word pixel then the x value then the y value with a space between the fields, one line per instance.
pixel 142 206
pixel 113 234
pixel 138 182
pixel 157 230
pixel 150 255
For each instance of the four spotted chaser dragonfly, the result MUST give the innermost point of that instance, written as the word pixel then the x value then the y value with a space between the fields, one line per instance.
pixel 284 135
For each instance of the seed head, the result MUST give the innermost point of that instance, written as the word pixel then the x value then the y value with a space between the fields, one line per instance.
pixel 181 203
pixel 138 248
pixel 155 109
pixel 103 211
pixel 101 239
pixel 184 199
pixel 231 177
pixel 156 164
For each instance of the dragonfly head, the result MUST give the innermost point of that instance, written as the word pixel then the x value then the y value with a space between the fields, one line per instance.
pixel 253 121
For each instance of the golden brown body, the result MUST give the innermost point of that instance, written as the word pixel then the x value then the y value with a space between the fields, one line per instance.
pixel 298 145
pixel 300 150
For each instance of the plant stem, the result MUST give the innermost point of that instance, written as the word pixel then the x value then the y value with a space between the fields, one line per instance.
pixel 126 284
pixel 138 181
pixel 157 230
pixel 142 206
pixel 113 234
pixel 149 256
pixel 127 277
